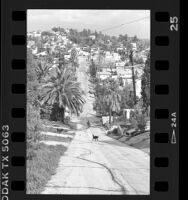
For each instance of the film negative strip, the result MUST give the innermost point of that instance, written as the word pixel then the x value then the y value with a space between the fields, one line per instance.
pixel 59 140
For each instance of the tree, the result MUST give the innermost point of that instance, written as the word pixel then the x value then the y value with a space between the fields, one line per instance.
pixel 46 33
pixel 108 97
pixel 123 38
pixel 62 30
pixel 32 80
pixel 112 98
pixel 145 84
pixel 62 90
pixel 93 70
pixel 49 57
pixel 127 98
pixel 128 47
pixel 42 70
pixel 135 39
pixel 39 45
pixel 73 58
pixel 115 99
pixel 55 29
pixel 33 110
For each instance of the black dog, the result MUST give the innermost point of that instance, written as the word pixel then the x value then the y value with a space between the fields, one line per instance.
pixel 95 137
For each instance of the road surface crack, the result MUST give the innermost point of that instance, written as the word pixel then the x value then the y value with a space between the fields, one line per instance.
pixel 110 172
pixel 55 186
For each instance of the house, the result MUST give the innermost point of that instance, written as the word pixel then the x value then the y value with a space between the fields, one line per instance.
pixel 74 45
pixel 144 58
pixel 104 74
pixel 119 49
pixel 115 77
pixel 67 30
pixel 93 37
pixel 30 43
pixel 67 57
pixel 85 48
pixel 42 54
pixel 77 49
pixel 85 53
pixel 116 56
pixel 105 119
pixel 53 66
pixel 56 60
pixel 120 64
pixel 37 34
pixel 134 47
pixel 127 113
pixel 126 73
pixel 108 53
pixel 35 50
pixel 63 38
pixel 138 87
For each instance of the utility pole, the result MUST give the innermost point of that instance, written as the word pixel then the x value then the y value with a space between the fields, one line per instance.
pixel 133 76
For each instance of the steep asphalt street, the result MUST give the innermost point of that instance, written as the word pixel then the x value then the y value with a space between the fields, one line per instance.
pixel 106 166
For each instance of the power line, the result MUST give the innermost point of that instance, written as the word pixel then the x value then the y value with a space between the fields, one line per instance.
pixel 125 23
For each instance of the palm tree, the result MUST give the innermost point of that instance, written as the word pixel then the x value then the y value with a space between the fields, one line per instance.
pixel 42 70
pixel 113 100
pixel 115 103
pixel 62 90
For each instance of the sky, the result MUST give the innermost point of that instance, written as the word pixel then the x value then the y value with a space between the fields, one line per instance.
pixel 92 19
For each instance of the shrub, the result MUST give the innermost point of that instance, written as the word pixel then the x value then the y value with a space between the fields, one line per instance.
pixel 42 167
pixel 139 60
pixel 67 120
pixel 134 123
pixel 46 111
pixel 141 122
pixel 33 128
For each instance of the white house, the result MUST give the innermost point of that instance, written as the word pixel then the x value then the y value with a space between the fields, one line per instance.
pixel 36 34
pixel 134 47
pixel 42 53
pixel 119 49
pixel 120 64
pixel 30 43
pixel 92 37
pixel 67 57
pixel 103 75
pixel 116 56
pixel 35 50
pixel 108 53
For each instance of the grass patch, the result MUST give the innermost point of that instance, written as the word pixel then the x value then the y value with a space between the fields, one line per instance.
pixel 42 166
pixel 70 133
pixel 56 138
pixel 53 129
pixel 141 141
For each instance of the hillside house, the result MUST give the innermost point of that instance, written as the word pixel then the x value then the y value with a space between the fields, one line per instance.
pixel 93 37
pixel 67 57
pixel 30 43
pixel 35 51
pixel 134 46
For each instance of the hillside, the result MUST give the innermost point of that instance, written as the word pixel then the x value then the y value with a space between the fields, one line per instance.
pixel 141 141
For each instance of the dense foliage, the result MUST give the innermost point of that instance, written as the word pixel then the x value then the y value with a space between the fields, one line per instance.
pixel 33 112
pixel 50 92
pixel 62 90
pixel 146 85
pixel 105 42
